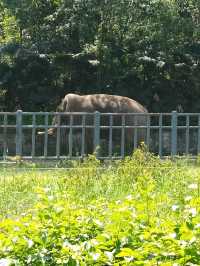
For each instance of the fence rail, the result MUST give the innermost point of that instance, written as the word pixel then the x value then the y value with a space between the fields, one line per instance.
pixel 110 135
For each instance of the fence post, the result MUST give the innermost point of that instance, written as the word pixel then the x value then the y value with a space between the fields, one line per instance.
pixel 19 132
pixel 96 132
pixel 174 134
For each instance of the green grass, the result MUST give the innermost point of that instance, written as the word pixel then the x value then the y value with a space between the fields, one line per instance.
pixel 18 188
pixel 139 211
pixel 90 180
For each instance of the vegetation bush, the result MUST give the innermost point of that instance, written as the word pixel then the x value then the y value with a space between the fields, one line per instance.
pixel 145 49
pixel 139 211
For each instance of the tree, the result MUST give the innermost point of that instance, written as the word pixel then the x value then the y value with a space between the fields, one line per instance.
pixel 137 48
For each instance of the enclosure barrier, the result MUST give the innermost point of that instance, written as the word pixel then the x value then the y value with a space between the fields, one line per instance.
pixel 109 135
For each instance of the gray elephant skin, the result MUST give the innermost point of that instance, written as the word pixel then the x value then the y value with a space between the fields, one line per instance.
pixel 102 103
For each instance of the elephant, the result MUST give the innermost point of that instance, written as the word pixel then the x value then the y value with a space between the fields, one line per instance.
pixel 124 111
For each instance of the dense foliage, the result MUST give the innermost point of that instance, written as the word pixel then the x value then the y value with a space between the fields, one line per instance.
pixel 140 211
pixel 148 50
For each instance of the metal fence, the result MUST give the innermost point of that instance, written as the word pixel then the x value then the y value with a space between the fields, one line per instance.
pixel 110 135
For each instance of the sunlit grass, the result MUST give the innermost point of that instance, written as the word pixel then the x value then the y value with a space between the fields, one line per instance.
pixel 91 180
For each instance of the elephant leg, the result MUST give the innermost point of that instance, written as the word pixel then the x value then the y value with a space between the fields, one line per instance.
pixel 129 140
pixel 89 141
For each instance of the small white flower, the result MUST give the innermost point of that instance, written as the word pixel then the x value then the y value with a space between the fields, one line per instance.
pixel 50 198
pixel 109 255
pixel 193 211
pixel 15 239
pixel 124 241
pixel 129 197
pixel 5 262
pixel 169 254
pixel 118 201
pixel 172 235
pixel 175 207
pixel 30 243
pixel 26 224
pixel 197 226
pixel 75 248
pixel 65 243
pixel 128 258
pixel 95 256
pixel 188 198
pixel 193 239
pixel 141 237
pixel 183 243
pixel 193 186
pixel 44 250
pixel 99 223
pixel 29 259
pixel 47 189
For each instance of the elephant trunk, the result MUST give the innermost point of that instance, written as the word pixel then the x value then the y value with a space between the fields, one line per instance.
pixel 51 131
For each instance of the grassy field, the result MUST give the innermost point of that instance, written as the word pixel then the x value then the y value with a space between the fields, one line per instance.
pixel 140 211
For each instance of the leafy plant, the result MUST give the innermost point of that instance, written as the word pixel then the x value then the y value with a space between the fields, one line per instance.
pixel 139 211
